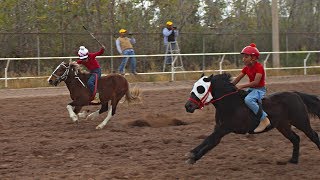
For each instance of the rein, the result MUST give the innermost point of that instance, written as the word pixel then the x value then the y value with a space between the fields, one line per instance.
pixel 203 102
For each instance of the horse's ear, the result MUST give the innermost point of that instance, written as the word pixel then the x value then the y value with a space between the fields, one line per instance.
pixel 202 75
pixel 208 79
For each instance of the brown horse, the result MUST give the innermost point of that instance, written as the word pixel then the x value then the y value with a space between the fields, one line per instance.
pixel 110 88
pixel 284 109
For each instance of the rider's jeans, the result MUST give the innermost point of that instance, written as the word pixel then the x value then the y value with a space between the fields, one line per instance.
pixel 251 99
pixel 92 78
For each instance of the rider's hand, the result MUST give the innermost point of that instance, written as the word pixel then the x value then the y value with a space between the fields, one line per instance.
pixel 239 86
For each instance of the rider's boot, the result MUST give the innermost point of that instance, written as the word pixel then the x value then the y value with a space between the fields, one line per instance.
pixel 263 125
pixel 96 99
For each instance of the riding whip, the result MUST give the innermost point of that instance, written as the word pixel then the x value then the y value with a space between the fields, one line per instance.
pixel 93 36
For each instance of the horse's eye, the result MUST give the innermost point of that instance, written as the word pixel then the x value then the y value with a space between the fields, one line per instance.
pixel 200 89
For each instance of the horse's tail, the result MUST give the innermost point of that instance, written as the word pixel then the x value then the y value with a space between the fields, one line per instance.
pixel 312 102
pixel 133 95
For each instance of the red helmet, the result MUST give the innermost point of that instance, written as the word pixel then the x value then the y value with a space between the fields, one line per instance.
pixel 251 50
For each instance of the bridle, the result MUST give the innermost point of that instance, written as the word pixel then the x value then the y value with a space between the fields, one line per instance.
pixel 203 101
pixel 64 76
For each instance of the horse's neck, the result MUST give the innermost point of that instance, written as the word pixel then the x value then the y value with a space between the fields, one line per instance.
pixel 77 81
pixel 228 103
pixel 84 76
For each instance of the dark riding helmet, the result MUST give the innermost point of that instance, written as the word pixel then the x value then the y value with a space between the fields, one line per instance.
pixel 251 50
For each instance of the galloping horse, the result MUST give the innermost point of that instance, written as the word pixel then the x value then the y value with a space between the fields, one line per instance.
pixel 284 109
pixel 110 88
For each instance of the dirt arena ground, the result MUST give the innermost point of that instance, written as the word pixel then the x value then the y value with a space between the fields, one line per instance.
pixel 143 141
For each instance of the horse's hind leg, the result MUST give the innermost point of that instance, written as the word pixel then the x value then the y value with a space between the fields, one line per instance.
pixel 295 140
pixel 111 111
pixel 309 132
pixel 314 137
pixel 105 121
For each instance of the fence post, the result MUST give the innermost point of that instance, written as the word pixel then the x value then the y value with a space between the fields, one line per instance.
pixel 305 64
pixel 38 53
pixel 265 65
pixel 220 63
pixel 5 78
pixel 204 51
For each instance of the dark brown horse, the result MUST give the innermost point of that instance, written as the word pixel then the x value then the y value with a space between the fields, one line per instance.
pixel 110 88
pixel 284 109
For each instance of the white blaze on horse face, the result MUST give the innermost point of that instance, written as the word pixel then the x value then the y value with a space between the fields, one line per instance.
pixel 201 88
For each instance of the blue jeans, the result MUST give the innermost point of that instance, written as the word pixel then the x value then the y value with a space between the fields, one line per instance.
pixel 251 99
pixel 133 62
pixel 92 78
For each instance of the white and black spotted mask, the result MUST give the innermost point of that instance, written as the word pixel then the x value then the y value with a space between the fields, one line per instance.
pixel 201 88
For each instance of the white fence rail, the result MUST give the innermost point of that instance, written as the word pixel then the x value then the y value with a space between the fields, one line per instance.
pixel 172 72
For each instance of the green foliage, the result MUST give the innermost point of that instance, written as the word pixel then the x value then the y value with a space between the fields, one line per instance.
pixel 204 25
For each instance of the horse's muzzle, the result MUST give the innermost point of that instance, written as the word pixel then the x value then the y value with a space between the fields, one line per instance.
pixel 53 83
pixel 190 106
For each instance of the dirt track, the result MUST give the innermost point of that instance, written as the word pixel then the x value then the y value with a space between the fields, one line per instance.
pixel 39 141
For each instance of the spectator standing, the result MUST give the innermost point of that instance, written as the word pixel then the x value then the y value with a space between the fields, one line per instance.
pixel 125 47
pixel 170 34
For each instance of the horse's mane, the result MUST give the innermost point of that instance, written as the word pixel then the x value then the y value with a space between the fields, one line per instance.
pixel 224 77
pixel 77 68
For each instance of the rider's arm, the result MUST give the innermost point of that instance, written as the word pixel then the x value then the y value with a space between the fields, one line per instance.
pixel 254 83
pixel 238 78
pixel 100 52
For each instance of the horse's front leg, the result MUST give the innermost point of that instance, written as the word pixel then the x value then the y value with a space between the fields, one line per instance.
pixel 73 115
pixel 209 143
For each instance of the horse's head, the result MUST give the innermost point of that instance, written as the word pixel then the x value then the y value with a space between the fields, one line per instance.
pixel 209 90
pixel 62 72
pixel 200 94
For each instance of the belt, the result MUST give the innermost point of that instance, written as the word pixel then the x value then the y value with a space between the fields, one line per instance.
pixel 128 50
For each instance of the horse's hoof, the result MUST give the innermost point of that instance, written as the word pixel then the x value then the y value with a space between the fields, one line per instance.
pixel 99 127
pixel 74 118
pixel 293 161
pixel 189 155
pixel 190 161
pixel 88 118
